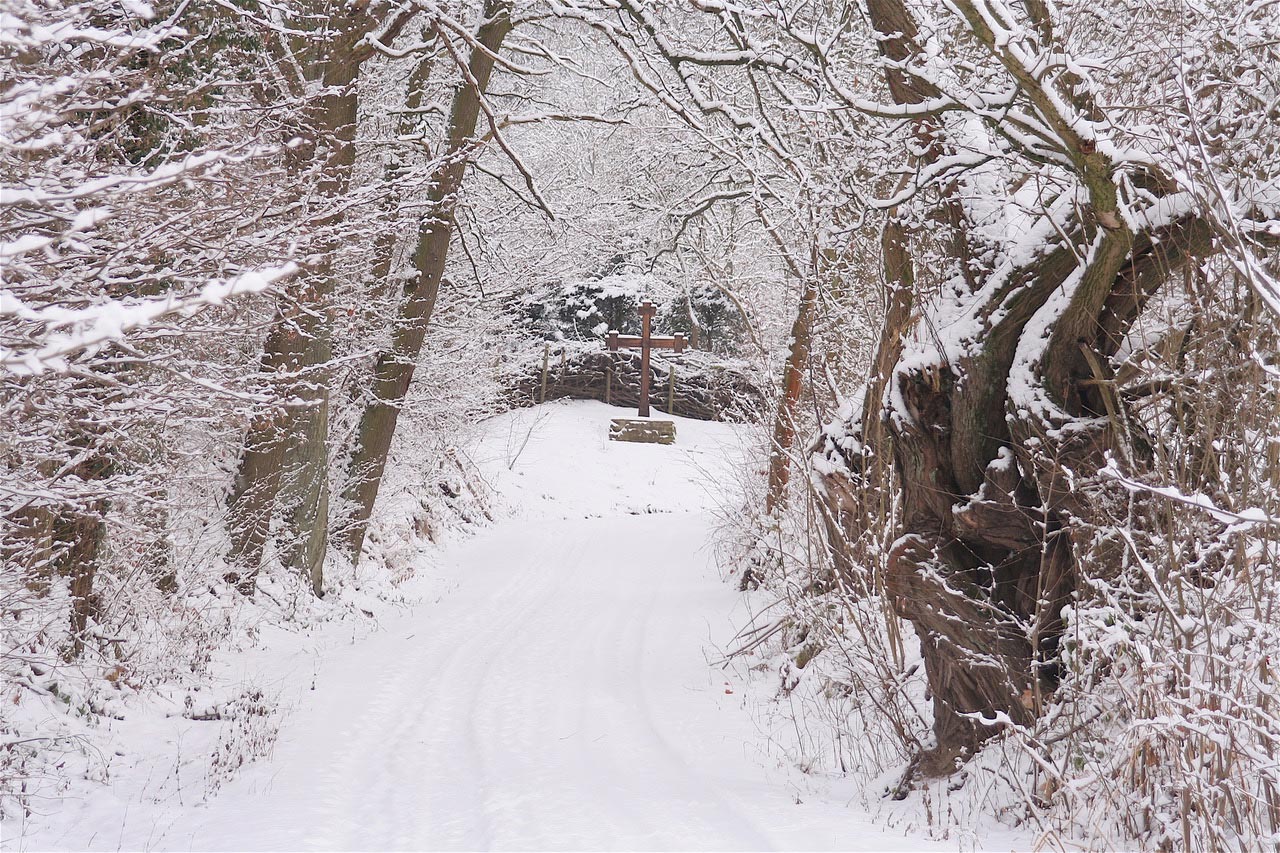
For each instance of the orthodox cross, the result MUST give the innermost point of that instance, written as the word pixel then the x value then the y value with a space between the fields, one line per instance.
pixel 646 341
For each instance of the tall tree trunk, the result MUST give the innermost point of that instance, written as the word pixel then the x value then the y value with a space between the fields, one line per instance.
pixel 393 371
pixel 859 513
pixel 859 517
pixel 784 423
pixel 26 542
pixel 79 534
pixel 306 494
pixel 79 530
pixel 285 444
pixel 253 492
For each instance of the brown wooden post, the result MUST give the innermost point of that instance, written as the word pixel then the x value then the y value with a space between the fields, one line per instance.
pixel 546 356
pixel 671 391
pixel 608 383
pixel 646 315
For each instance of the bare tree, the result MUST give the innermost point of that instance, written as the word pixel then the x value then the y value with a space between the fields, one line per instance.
pixel 1005 395
pixel 286 443
pixel 394 369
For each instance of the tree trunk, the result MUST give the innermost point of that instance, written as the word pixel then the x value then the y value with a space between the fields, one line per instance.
pixel 253 492
pixel 393 370
pixel 784 424
pixel 27 543
pixel 859 517
pixel 285 444
pixel 987 559
pixel 78 532
pixel 859 514
pixel 307 464
pixel 991 433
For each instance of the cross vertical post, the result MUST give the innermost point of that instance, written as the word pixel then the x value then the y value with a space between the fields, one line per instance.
pixel 646 315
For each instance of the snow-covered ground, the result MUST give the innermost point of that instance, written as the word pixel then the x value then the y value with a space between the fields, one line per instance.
pixel 553 687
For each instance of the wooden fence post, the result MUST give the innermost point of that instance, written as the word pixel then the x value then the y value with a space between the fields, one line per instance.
pixel 671 391
pixel 608 382
pixel 546 356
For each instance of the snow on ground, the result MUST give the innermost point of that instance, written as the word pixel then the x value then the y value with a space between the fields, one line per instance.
pixel 551 689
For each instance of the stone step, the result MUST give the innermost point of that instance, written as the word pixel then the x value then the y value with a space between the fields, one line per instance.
pixel 639 429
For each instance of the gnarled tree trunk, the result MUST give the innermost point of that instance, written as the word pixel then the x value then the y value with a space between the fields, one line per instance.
pixel 991 426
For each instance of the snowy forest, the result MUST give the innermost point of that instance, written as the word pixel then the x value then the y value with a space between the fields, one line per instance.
pixel 312 535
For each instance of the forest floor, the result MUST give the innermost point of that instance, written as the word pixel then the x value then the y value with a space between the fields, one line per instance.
pixel 554 686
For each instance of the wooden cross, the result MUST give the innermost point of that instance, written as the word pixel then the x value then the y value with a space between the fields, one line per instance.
pixel 646 341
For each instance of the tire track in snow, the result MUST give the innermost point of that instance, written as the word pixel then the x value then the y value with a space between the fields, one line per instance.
pixel 733 828
pixel 460 777
pixel 746 834
pixel 415 756
pixel 633 824
pixel 538 731
pixel 363 802
pixel 502 633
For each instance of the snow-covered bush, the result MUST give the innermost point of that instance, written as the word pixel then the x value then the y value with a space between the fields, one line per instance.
pixel 590 307
pixel 163 184
pixel 1040 479
pixel 707 317
pixel 123 337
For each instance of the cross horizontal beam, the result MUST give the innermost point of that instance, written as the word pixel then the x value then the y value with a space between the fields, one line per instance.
pixel 614 340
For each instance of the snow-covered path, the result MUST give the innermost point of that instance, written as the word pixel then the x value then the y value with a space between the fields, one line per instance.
pixel 559 700
pixel 553 692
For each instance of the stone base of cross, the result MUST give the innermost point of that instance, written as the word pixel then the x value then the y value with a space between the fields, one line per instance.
pixel 644 431
pixel 645 342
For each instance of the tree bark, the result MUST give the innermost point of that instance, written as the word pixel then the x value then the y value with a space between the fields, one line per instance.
pixel 285 444
pixel 784 424
pixel 79 534
pixel 989 485
pixel 987 559
pixel 859 514
pixel 307 463
pixel 79 530
pixel 393 371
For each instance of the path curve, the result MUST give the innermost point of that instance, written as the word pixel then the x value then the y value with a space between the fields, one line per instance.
pixel 554 693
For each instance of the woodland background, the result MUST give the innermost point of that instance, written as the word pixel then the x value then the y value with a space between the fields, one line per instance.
pixel 999 283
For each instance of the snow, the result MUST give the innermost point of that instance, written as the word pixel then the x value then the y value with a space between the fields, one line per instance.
pixel 113 319
pixel 1238 519
pixel 552 687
